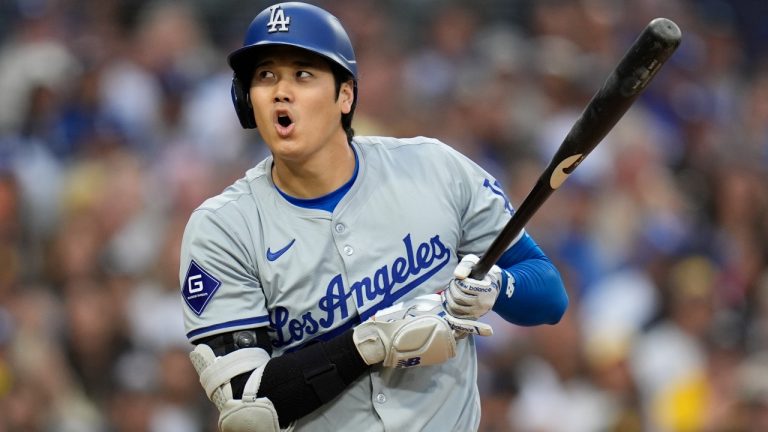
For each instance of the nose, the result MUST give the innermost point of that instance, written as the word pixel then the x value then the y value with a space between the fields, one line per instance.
pixel 283 92
pixel 282 98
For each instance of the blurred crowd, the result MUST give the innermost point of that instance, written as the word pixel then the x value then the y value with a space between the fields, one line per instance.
pixel 116 122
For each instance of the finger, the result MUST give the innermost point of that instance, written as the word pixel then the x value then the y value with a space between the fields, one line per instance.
pixel 460 297
pixel 475 328
pixel 464 267
pixel 469 326
pixel 455 309
pixel 459 311
pixel 468 281
pixel 484 329
pixel 472 286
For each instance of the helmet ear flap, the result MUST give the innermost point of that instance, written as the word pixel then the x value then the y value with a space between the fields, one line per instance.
pixel 242 103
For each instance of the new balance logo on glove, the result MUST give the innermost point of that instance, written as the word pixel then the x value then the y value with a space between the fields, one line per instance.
pixel 406 363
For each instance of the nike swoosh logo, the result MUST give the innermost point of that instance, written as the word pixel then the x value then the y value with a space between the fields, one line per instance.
pixel 564 169
pixel 271 256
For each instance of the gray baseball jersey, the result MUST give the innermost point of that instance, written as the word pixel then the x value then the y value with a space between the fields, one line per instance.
pixel 251 258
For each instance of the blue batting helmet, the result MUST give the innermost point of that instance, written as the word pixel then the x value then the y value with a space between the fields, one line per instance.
pixel 295 24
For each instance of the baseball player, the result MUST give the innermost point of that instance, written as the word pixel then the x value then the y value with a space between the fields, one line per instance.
pixel 310 284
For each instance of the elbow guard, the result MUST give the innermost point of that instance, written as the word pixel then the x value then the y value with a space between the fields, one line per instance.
pixel 249 414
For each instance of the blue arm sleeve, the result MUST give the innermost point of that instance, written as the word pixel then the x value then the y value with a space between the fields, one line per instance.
pixel 539 295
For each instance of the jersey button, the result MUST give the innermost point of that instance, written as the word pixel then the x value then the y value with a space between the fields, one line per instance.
pixel 340 228
pixel 348 250
pixel 381 398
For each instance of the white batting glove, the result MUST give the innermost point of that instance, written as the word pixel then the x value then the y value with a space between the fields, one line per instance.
pixel 471 298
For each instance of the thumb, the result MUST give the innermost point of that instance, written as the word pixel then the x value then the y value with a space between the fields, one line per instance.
pixel 464 268
pixel 469 326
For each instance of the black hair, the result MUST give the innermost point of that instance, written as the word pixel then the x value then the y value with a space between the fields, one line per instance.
pixel 340 76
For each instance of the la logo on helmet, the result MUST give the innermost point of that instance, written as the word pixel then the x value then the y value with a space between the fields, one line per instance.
pixel 278 22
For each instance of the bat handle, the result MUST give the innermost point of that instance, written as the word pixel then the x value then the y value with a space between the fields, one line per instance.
pixel 536 197
pixel 478 272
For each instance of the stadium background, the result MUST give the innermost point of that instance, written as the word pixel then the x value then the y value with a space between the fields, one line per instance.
pixel 115 122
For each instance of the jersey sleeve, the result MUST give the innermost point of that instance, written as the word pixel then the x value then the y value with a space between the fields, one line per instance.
pixel 538 296
pixel 483 206
pixel 219 284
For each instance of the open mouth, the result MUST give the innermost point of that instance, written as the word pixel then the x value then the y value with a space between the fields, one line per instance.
pixel 283 120
pixel 284 124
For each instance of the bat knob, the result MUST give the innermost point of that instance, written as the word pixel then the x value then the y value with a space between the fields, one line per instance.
pixel 665 30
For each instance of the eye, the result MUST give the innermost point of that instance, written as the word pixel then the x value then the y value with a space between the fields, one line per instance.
pixel 264 75
pixel 303 74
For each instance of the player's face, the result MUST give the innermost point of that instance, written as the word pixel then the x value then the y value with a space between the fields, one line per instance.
pixel 295 105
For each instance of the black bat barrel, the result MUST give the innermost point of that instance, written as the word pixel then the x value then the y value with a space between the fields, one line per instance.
pixel 642 61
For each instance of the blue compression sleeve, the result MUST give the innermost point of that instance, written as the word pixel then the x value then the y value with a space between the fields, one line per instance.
pixel 539 295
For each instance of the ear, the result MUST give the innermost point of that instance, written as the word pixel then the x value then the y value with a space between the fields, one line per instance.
pixel 242 102
pixel 346 96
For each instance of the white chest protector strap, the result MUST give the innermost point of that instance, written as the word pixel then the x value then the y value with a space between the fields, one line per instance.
pixel 249 414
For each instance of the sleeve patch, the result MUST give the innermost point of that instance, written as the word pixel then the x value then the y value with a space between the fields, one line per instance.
pixel 199 288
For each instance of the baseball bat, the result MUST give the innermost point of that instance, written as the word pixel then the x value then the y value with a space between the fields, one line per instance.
pixel 641 62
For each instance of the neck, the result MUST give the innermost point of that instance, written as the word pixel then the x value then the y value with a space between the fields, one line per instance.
pixel 320 175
